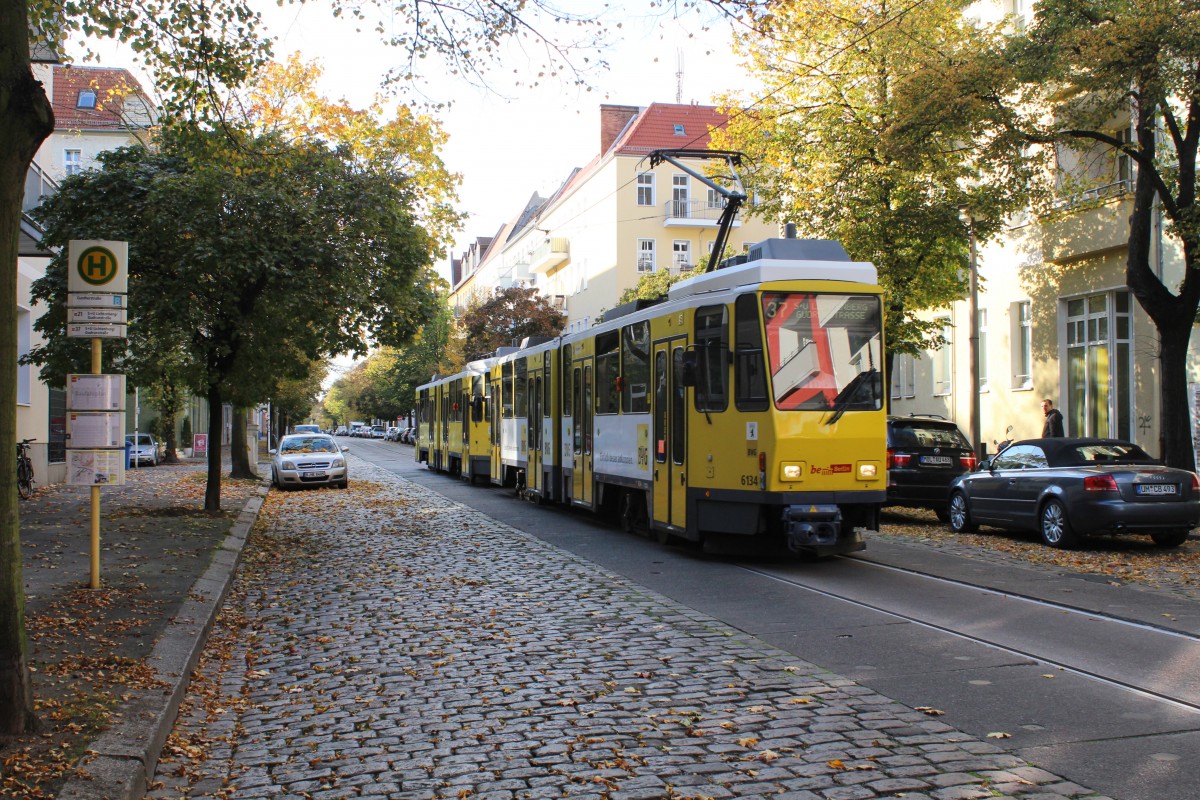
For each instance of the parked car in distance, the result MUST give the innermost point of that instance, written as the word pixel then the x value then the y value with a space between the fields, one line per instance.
pixel 377 432
pixel 1070 488
pixel 342 430
pixel 309 459
pixel 145 449
pixel 924 454
pixel 391 433
pixel 306 429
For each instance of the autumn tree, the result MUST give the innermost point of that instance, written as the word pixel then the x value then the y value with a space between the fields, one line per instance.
pixel 1084 73
pixel 830 149
pixel 231 253
pixel 507 317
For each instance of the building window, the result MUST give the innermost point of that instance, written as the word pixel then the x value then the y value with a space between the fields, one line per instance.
pixel 645 255
pixel 943 362
pixel 981 349
pixel 1022 345
pixel 681 255
pixel 72 162
pixel 645 189
pixel 1099 367
pixel 86 99
pixel 679 196
pixel 23 370
pixel 679 129
pixel 714 199
pixel 904 383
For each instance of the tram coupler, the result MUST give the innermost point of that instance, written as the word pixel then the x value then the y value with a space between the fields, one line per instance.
pixel 808 526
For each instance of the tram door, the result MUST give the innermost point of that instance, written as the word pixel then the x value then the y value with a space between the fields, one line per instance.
pixel 670 434
pixel 494 429
pixel 581 486
pixel 533 469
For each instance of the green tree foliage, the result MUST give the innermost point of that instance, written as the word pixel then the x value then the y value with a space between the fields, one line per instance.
pixel 507 317
pixel 831 149
pixel 656 284
pixel 1091 70
pixel 232 255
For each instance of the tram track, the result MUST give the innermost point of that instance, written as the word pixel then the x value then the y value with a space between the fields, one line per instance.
pixel 1037 654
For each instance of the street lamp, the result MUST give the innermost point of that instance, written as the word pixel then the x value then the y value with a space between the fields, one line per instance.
pixel 973 303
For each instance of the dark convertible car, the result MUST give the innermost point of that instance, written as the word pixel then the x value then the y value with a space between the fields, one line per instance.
pixel 1070 488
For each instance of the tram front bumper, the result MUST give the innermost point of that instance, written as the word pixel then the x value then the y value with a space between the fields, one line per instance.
pixel 808 526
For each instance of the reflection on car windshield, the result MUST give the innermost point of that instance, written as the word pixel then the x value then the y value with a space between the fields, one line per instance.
pixel 143 439
pixel 1109 451
pixel 933 436
pixel 308 444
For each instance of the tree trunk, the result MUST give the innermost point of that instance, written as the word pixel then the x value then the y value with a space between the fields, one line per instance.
pixel 169 444
pixel 216 424
pixel 25 122
pixel 239 454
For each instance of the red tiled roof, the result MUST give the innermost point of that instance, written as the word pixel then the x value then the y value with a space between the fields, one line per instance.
pixel 111 85
pixel 654 129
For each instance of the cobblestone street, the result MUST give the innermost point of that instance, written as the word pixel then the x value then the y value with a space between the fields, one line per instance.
pixel 384 642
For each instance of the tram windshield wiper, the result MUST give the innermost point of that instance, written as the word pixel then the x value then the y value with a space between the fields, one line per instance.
pixel 849 394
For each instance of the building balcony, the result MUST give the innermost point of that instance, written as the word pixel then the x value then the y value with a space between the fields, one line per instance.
pixel 693 214
pixel 549 255
pixel 1088 224
pixel 37 186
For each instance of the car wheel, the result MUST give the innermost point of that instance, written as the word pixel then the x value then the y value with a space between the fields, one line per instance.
pixel 959 514
pixel 344 484
pixel 1055 527
pixel 1169 537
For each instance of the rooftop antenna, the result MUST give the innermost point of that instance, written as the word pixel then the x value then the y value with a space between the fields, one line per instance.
pixel 678 76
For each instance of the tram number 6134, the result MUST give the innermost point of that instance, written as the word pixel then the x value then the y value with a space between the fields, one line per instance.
pixel 749 480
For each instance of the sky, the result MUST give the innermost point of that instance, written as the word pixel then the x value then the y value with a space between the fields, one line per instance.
pixel 508 142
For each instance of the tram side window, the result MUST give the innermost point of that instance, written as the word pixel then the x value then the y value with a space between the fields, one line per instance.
pixel 712 343
pixel 455 393
pixel 567 372
pixel 476 399
pixel 635 368
pixel 522 398
pixel 506 389
pixel 749 367
pixel 608 368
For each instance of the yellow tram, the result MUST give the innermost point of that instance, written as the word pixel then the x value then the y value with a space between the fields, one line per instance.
pixel 748 403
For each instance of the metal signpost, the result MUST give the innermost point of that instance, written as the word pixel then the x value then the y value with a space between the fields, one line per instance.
pixel 97 288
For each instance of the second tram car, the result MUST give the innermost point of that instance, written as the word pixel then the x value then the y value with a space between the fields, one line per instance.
pixel 748 403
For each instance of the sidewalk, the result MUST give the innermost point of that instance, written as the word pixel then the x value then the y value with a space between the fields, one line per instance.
pixel 117 656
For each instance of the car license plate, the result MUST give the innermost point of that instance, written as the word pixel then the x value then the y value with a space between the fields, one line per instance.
pixel 1156 488
pixel 937 461
pixel 317 474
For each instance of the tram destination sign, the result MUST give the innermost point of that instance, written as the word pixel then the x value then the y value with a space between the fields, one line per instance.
pixel 78 315
pixel 96 330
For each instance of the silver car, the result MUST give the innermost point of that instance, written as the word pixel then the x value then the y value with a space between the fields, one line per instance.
pixel 144 449
pixel 309 459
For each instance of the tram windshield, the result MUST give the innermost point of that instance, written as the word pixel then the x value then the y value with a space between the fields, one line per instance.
pixel 824 351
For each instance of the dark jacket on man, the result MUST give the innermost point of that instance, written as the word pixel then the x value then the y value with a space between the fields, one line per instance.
pixel 1053 428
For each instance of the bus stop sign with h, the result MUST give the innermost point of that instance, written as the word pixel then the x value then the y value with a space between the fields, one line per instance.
pixel 97 287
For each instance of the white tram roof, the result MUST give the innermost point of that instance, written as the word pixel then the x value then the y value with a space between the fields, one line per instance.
pixel 781 260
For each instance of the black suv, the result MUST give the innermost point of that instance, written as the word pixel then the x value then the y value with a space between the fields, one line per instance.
pixel 923 455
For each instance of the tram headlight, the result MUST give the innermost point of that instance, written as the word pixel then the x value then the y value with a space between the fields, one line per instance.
pixel 868 471
pixel 791 472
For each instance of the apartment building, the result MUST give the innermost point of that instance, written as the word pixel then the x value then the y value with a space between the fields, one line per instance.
pixel 613 220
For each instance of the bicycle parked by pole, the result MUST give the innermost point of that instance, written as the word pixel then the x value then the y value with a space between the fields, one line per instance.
pixel 24 470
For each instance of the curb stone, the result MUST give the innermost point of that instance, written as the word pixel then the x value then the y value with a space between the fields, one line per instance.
pixel 121 761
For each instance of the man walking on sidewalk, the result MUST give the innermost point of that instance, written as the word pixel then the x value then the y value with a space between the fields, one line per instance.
pixel 1053 427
